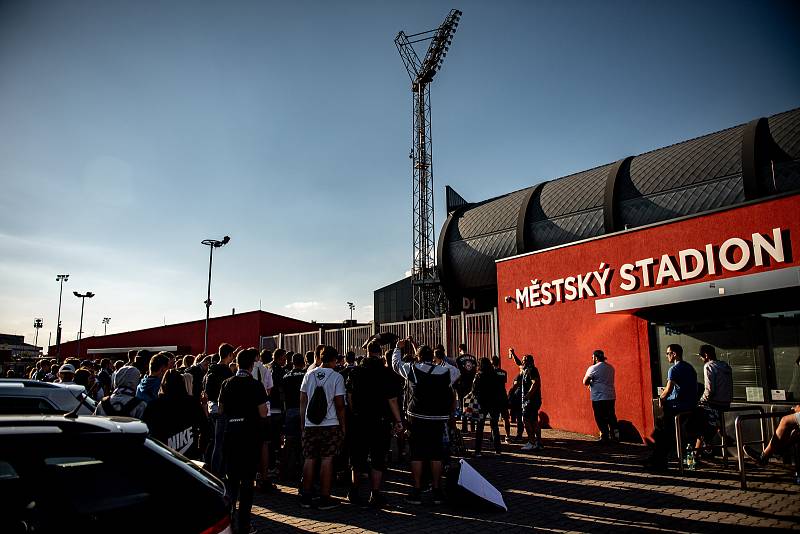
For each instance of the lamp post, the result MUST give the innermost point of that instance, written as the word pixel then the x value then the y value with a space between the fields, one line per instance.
pixel 212 244
pixel 61 278
pixel 83 298
pixel 106 320
pixel 37 324
pixel 352 307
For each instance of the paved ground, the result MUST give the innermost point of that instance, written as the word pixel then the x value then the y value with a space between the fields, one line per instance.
pixel 573 485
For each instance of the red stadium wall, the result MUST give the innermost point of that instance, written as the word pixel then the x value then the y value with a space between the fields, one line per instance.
pixel 562 335
pixel 243 329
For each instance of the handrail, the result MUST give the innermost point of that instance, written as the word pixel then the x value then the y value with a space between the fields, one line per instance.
pixel 723 435
pixel 740 444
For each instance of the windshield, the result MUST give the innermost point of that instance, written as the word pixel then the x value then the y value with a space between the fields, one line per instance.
pixel 190 467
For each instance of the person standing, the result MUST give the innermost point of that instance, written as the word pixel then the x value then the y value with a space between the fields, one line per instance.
pixel 322 401
pixel 679 395
pixel 277 401
pixel 264 376
pixel 174 418
pixel 243 405
pixel 123 400
pixel 374 413
pixel 212 382
pixel 467 366
pixel 431 403
pixel 531 394
pixel 147 390
pixel 502 377
pixel 488 391
pixel 599 378
pixel 717 392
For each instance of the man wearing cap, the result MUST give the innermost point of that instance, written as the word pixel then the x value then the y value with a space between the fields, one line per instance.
pixel 599 378
pixel 66 374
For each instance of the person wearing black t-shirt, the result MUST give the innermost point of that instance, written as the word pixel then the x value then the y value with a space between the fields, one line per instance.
pixel 276 404
pixel 175 418
pixel 372 396
pixel 243 405
pixel 467 366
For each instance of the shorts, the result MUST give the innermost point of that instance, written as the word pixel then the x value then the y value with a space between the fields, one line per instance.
pixel 322 441
pixel 369 439
pixel 426 439
pixel 530 411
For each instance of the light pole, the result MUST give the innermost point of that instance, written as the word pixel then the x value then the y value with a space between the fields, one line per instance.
pixel 212 244
pixel 37 324
pixel 352 307
pixel 59 278
pixel 106 320
pixel 83 298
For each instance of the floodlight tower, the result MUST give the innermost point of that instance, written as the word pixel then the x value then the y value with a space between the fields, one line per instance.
pixel 428 295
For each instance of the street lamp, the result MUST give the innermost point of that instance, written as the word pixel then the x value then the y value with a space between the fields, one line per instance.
pixel 61 278
pixel 352 307
pixel 83 298
pixel 106 320
pixel 37 324
pixel 212 244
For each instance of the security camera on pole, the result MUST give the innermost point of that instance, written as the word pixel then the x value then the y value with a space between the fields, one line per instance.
pixel 212 244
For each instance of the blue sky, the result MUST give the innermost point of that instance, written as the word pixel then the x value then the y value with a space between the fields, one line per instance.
pixel 130 131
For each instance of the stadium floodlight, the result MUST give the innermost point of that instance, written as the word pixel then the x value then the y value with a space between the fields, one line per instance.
pixel 60 278
pixel 83 297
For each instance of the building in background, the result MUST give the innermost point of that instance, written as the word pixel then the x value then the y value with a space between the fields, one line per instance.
pixel 394 302
pixel 243 329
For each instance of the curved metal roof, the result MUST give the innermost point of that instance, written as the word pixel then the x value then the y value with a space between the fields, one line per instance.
pixel 716 170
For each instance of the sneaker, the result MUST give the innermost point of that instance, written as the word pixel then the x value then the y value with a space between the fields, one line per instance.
pixel 757 457
pixel 509 440
pixel 327 503
pixel 437 496
pixel 539 445
pixel 414 496
pixel 377 500
pixel 305 500
pixel 527 447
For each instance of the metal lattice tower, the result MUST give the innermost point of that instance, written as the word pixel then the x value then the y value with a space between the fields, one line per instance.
pixel 429 298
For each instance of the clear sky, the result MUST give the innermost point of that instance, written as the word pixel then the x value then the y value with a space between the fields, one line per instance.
pixel 130 131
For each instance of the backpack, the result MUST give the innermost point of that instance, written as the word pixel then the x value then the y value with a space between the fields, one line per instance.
pixel 125 411
pixel 317 408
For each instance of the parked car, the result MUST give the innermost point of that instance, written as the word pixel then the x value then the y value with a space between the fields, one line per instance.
pixel 22 396
pixel 64 473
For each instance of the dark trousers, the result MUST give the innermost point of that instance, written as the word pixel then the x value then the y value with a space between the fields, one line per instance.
pixel 606 417
pixel 664 436
pixel 241 490
pixel 493 424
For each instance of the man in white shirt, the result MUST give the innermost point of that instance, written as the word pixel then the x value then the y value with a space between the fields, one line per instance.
pixel 323 429
pixel 600 379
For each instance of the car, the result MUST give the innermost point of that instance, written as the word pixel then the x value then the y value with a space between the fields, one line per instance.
pixel 68 473
pixel 22 396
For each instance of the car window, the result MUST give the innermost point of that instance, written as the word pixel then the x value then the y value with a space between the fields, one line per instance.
pixel 96 479
pixel 26 406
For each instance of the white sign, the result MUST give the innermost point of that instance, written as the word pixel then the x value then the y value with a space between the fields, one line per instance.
pixel 755 394
pixel 733 255
pixel 778 394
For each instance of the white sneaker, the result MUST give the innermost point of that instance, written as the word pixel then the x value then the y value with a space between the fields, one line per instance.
pixel 528 447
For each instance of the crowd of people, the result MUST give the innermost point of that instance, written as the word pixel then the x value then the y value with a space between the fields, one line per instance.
pixel 253 415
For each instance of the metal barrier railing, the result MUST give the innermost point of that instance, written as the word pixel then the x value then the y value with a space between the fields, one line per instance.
pixel 723 433
pixel 480 334
pixel 740 443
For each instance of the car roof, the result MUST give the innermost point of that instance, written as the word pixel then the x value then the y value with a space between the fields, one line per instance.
pixel 48 424
pixel 27 383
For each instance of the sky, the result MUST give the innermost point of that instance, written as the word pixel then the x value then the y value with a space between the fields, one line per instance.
pixel 130 131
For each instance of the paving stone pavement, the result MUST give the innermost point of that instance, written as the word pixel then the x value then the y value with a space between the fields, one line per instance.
pixel 573 485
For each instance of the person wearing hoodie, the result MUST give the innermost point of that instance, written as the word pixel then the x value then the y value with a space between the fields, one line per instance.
pixel 123 400
pixel 174 418
pixel 148 387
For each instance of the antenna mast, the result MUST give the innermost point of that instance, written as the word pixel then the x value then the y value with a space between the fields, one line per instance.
pixel 429 299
